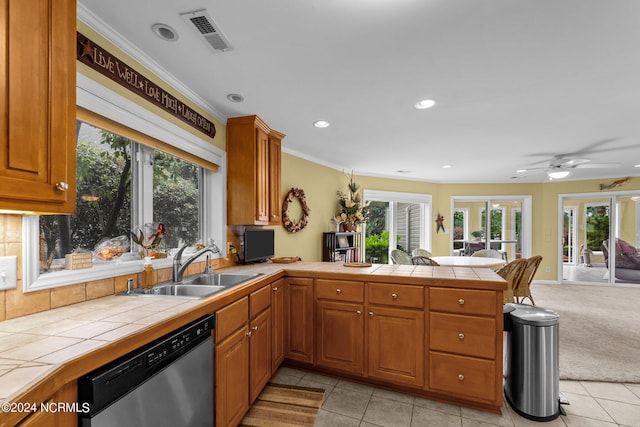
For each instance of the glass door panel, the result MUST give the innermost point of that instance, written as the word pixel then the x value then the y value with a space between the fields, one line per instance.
pixel 502 232
pixel 595 228
pixel 626 228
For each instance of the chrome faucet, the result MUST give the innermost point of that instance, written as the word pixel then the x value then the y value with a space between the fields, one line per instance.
pixel 179 267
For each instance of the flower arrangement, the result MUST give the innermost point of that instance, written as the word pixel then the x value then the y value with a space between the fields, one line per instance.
pixel 351 209
pixel 148 243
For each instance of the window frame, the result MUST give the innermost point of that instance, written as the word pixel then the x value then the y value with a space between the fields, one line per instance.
pixel 98 100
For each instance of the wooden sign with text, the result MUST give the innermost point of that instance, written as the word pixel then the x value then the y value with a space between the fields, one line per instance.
pixel 105 63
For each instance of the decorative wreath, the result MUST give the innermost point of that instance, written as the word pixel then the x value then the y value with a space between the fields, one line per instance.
pixel 288 223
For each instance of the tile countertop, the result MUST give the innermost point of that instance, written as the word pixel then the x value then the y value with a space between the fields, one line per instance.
pixel 35 346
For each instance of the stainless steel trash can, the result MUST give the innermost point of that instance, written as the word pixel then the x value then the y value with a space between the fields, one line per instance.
pixel 532 385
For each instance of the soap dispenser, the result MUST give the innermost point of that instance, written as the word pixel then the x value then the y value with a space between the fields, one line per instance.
pixel 147 273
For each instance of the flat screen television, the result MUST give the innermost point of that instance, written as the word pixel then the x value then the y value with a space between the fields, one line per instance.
pixel 258 244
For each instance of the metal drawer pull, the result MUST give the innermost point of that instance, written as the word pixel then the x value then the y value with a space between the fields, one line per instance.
pixel 338 291
pixel 62 186
pixel 255 328
pixel 371 313
pixel 275 289
pixel 394 296
pixel 358 312
pixel 460 377
pixel 461 336
pixel 461 301
pixel 249 333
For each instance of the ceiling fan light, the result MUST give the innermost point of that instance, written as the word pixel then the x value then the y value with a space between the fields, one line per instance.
pixel 558 174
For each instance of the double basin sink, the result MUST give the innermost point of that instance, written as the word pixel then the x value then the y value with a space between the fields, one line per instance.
pixel 199 285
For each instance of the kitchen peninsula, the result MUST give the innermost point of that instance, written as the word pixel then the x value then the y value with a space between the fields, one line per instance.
pixel 430 331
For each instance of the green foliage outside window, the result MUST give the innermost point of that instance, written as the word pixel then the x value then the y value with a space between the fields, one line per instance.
pixel 104 191
pixel 597 222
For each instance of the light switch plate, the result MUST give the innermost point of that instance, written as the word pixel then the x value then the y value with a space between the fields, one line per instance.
pixel 8 272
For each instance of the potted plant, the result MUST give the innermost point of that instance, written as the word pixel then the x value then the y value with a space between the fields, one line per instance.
pixel 351 210
pixel 477 234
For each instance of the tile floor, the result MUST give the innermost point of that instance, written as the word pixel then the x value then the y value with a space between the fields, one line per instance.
pixel 592 404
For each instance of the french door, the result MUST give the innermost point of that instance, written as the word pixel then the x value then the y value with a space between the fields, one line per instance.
pixel 594 225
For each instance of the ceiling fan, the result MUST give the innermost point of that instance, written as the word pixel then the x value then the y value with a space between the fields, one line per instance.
pixel 560 165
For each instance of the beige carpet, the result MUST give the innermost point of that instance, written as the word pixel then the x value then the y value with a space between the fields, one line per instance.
pixel 285 405
pixel 599 330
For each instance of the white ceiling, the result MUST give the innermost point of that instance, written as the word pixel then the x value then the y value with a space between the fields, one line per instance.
pixel 516 81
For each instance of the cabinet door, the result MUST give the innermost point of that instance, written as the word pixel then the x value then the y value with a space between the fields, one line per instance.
pixel 340 336
pixel 259 353
pixel 262 177
pixel 300 318
pixel 396 345
pixel 277 323
pixel 37 105
pixel 275 199
pixel 68 395
pixel 232 378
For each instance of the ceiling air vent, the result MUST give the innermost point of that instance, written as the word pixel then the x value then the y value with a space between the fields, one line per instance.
pixel 208 29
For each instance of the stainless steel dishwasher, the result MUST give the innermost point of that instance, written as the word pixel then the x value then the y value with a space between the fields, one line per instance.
pixel 168 382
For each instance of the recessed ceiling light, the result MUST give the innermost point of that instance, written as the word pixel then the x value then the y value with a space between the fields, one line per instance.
pixel 165 32
pixel 447 166
pixel 558 174
pixel 425 103
pixel 521 170
pixel 403 171
pixel 636 166
pixel 234 97
pixel 321 124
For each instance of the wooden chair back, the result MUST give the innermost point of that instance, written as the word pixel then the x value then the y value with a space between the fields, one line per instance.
pixel 512 272
pixel 523 289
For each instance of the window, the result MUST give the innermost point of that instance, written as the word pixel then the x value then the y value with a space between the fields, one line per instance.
pixel 396 220
pixel 134 169
pixel 105 179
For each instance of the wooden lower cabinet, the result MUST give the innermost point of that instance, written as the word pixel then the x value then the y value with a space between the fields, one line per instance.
pixel 232 378
pixel 278 290
pixel 57 417
pixel 396 345
pixel 300 319
pixel 465 344
pixel 439 341
pixel 259 353
pixel 242 355
pixel 340 336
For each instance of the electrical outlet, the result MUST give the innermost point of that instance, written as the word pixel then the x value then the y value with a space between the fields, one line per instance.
pixel 7 272
pixel 547 269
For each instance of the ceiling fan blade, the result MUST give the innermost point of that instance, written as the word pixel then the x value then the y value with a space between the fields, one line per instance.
pixel 606 150
pixel 564 162
pixel 597 165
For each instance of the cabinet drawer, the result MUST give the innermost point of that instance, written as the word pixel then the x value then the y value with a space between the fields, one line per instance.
pixel 259 300
pixel 340 290
pixel 396 295
pixel 231 318
pixel 463 301
pixel 464 376
pixel 472 336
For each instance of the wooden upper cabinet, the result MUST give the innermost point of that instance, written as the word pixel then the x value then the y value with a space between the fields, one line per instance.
pixel 253 172
pixel 275 180
pixel 38 105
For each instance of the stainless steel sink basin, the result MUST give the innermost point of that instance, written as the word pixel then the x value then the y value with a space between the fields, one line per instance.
pixel 224 280
pixel 183 290
pixel 197 286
